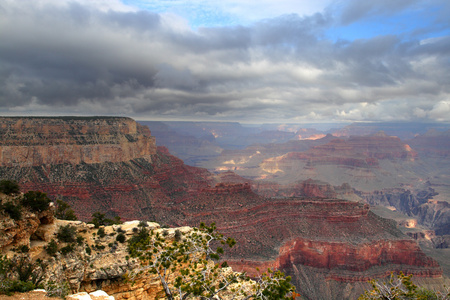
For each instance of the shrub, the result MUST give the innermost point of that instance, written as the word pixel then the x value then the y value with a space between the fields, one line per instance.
pixel 101 232
pixel 67 234
pixel 100 247
pixel 199 276
pixel 178 235
pixel 401 287
pixel 139 242
pixel 28 271
pixel 121 238
pixel 80 239
pixel 51 248
pixel 64 211
pixel 23 249
pixel 36 201
pixel 14 211
pixel 67 249
pixel 60 290
pixel 9 187
pixel 88 250
pixel 99 219
pixel 142 224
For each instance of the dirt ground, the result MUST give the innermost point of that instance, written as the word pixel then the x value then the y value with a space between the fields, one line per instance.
pixel 28 296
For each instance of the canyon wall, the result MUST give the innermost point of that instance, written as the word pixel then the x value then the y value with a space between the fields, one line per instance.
pixel 37 141
pixel 342 240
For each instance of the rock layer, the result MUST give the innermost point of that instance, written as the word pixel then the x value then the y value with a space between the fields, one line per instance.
pixel 36 141
pixel 158 186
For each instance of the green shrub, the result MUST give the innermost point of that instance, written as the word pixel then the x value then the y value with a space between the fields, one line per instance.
pixel 100 247
pixel 101 232
pixel 139 242
pixel 99 219
pixel 27 271
pixel 13 210
pixel 178 235
pixel 36 201
pixel 9 187
pixel 29 275
pixel 51 248
pixel 142 224
pixel 67 249
pixel 64 211
pixel 121 238
pixel 60 290
pixel 23 249
pixel 22 286
pixel 67 234
pixel 401 287
pixel 88 250
pixel 80 239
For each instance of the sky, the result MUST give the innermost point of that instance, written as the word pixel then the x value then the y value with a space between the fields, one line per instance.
pixel 281 61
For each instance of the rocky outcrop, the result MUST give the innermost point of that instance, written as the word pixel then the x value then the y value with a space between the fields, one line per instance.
pixel 34 141
pixel 14 233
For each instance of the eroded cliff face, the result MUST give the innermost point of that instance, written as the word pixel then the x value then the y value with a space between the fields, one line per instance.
pixel 35 141
pixel 96 164
pixel 269 231
pixel 415 203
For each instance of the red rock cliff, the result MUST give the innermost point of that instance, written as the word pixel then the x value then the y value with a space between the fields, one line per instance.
pixel 38 141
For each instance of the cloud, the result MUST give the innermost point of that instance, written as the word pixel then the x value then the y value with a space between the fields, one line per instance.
pixel 103 57
pixel 355 10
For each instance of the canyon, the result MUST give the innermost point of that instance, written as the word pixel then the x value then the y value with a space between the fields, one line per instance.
pixel 116 168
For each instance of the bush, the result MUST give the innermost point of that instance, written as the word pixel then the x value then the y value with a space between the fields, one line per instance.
pixel 29 275
pixel 67 234
pixel 178 235
pixel 36 201
pixel 101 232
pixel 100 247
pixel 121 238
pixel 9 187
pixel 99 219
pixel 67 249
pixel 401 287
pixel 60 290
pixel 51 248
pixel 28 271
pixel 80 239
pixel 64 211
pixel 13 210
pixel 23 249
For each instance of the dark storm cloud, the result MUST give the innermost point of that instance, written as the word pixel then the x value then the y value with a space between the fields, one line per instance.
pixel 73 57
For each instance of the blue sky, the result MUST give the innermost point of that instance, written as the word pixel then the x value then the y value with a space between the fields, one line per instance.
pixel 231 60
pixel 378 21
